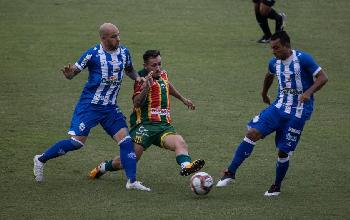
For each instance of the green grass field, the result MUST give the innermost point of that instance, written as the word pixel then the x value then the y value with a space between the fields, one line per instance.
pixel 209 50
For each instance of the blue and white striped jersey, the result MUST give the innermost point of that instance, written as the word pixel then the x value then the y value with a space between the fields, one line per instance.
pixel 295 75
pixel 105 74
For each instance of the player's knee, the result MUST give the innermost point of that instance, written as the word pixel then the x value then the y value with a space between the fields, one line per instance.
pixel 264 10
pixel 76 143
pixel 125 141
pixel 282 154
pixel 253 134
pixel 180 145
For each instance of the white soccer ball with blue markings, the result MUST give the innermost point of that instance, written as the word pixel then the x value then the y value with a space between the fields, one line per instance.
pixel 201 183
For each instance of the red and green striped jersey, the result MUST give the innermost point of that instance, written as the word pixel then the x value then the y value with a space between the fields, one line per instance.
pixel 156 108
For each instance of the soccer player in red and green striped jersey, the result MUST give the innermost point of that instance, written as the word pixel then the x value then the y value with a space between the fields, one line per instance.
pixel 150 119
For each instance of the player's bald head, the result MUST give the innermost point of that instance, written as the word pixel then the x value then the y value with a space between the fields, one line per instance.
pixel 107 28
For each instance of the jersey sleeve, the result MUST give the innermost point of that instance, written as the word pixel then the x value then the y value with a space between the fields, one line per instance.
pixel 272 66
pixel 138 87
pixel 128 61
pixel 84 60
pixel 309 64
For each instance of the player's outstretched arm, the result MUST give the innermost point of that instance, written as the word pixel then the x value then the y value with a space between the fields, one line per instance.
pixel 70 71
pixel 173 91
pixel 321 80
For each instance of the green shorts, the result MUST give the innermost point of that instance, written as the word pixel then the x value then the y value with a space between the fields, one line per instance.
pixel 148 134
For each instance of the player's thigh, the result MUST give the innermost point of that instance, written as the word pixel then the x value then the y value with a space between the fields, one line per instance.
pixel 114 123
pixel 268 3
pixel 265 7
pixel 83 120
pixel 168 138
pixel 144 135
pixel 173 142
pixel 288 135
pixel 266 122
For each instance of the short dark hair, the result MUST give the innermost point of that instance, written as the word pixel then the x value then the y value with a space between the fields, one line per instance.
pixel 283 36
pixel 150 54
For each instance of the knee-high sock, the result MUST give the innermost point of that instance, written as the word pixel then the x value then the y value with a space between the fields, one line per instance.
pixel 108 166
pixel 263 23
pixel 281 169
pixel 243 151
pixel 60 148
pixel 277 17
pixel 128 158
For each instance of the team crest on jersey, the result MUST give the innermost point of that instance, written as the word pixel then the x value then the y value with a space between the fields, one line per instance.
pixel 162 85
pixel 114 62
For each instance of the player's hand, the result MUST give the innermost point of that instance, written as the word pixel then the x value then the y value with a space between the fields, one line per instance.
pixel 266 99
pixel 68 71
pixel 140 79
pixel 189 104
pixel 149 79
pixel 304 97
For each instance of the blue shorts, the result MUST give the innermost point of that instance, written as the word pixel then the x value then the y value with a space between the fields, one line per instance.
pixel 288 127
pixel 87 116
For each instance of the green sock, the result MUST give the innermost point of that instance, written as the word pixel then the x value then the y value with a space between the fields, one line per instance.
pixel 182 158
pixel 108 166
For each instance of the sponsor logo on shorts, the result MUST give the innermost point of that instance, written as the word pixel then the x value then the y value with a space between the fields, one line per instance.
pixel 290 137
pixel 293 130
pixel 142 131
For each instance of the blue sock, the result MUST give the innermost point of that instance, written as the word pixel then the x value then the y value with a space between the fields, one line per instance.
pixel 60 148
pixel 281 169
pixel 243 151
pixel 128 158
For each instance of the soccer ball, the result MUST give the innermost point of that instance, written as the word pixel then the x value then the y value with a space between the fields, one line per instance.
pixel 201 183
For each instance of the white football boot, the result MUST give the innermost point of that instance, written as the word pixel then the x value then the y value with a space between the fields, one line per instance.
pixel 274 190
pixel 136 185
pixel 226 179
pixel 38 169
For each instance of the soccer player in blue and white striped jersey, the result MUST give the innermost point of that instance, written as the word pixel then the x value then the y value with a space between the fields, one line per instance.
pixel 107 62
pixel 299 77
